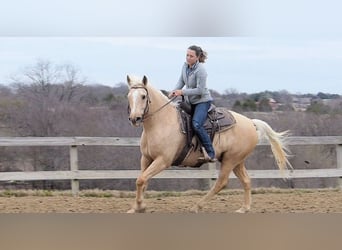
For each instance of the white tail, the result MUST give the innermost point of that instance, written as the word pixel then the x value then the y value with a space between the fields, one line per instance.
pixel 277 141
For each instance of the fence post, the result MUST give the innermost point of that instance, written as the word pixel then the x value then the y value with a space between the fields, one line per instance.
pixel 212 169
pixel 339 162
pixel 75 186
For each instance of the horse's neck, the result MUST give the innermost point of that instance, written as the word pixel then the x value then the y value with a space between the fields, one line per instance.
pixel 161 114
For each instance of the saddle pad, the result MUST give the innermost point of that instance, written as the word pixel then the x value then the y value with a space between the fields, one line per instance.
pixel 219 119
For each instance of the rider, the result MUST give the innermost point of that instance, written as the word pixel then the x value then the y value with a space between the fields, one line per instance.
pixel 194 78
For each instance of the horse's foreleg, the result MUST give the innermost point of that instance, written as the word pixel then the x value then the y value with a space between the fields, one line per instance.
pixel 241 172
pixel 220 183
pixel 138 206
pixel 156 167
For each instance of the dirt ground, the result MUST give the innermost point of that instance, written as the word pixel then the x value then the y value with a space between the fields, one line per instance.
pixel 269 201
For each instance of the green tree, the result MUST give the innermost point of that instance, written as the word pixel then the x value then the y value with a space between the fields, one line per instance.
pixel 318 108
pixel 237 106
pixel 264 105
pixel 249 105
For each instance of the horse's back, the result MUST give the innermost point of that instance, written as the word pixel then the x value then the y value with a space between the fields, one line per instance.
pixel 245 127
pixel 239 139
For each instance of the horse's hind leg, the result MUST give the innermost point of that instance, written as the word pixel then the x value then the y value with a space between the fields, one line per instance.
pixel 220 183
pixel 241 172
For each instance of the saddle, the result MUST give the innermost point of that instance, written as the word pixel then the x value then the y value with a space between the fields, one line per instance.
pixel 218 120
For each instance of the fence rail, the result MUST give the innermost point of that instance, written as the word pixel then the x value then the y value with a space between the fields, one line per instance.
pixel 75 174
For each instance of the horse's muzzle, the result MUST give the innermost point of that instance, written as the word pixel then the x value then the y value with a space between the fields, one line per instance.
pixel 136 121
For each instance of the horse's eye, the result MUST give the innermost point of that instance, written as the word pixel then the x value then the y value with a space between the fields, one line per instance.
pixel 143 97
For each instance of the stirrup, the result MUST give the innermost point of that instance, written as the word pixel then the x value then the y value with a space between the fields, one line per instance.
pixel 206 157
pixel 205 160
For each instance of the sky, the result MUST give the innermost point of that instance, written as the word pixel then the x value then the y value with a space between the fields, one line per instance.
pixel 252 45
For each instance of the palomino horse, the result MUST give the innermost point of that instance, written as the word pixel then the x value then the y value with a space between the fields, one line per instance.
pixel 162 141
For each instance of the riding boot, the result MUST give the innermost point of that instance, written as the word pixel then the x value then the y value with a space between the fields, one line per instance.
pixel 206 157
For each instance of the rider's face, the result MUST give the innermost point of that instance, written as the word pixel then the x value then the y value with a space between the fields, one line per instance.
pixel 191 57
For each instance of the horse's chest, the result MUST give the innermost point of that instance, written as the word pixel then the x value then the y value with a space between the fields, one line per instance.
pixel 151 147
pixel 163 145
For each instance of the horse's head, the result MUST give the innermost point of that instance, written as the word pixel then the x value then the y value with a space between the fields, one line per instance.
pixel 138 100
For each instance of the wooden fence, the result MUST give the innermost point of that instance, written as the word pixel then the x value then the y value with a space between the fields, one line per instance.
pixel 74 174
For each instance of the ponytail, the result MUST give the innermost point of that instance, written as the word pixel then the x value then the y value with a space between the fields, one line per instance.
pixel 201 54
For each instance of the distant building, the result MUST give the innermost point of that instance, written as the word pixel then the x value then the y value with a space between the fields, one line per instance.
pixel 301 103
pixel 273 104
pixel 333 103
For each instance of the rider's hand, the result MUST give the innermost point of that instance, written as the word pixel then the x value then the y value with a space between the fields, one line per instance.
pixel 177 92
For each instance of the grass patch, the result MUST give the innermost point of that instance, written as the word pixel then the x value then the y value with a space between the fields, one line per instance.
pixel 24 193
pixel 97 193
pixel 13 193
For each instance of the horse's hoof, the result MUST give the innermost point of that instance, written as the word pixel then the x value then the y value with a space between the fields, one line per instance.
pixel 242 210
pixel 195 209
pixel 134 209
pixel 141 210
pixel 131 211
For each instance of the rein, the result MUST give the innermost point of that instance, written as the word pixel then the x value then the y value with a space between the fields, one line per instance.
pixel 149 115
pixel 146 113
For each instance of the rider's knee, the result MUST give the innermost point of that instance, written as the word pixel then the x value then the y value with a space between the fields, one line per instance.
pixel 196 125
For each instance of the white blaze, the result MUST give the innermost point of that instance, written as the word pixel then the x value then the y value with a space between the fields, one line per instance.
pixel 135 96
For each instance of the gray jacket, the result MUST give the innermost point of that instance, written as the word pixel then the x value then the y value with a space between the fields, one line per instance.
pixel 195 80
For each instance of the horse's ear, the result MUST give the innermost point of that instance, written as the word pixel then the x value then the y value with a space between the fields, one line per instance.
pixel 128 80
pixel 144 80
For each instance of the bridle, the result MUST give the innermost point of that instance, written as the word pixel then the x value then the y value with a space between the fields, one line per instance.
pixel 148 101
pixel 146 113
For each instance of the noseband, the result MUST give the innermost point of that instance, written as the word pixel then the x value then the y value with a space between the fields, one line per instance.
pixel 146 114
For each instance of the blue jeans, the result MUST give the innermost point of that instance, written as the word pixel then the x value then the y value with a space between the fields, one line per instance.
pixel 199 116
